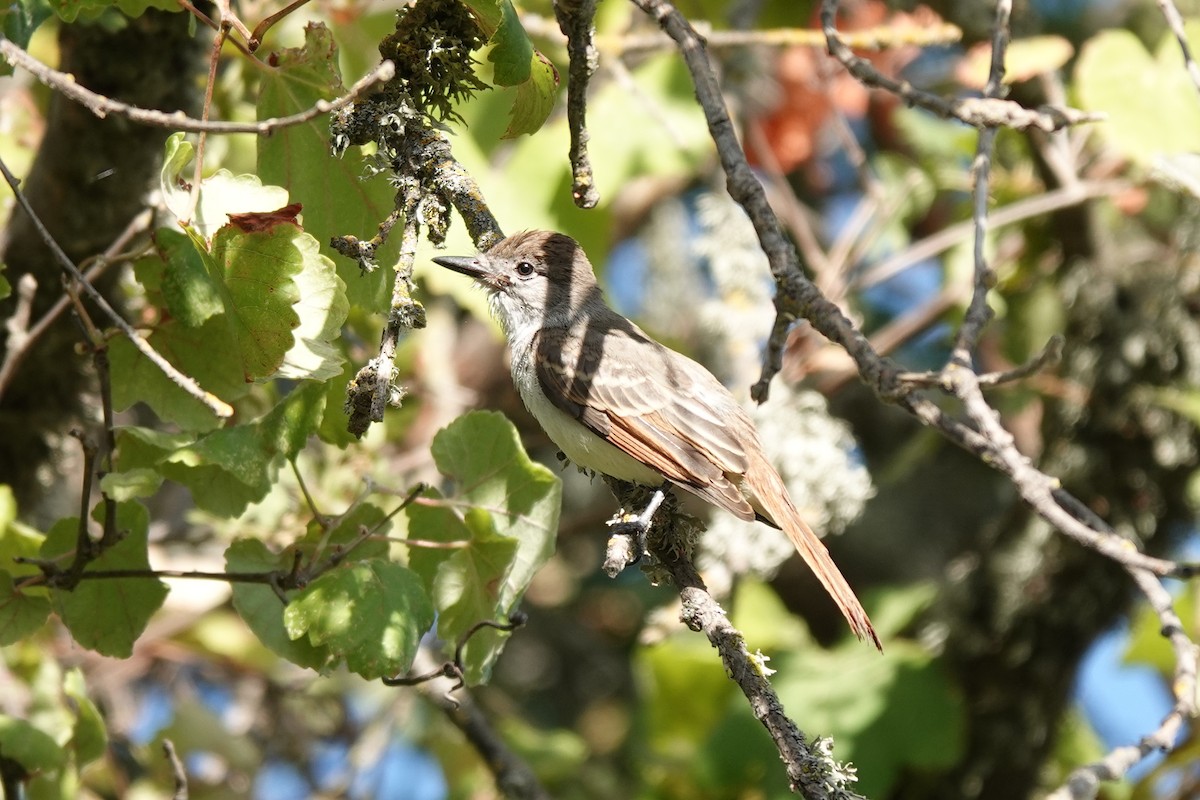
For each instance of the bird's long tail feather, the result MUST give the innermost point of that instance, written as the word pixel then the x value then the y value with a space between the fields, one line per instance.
pixel 771 496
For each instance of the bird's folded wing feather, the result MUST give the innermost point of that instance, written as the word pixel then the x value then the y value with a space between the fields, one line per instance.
pixel 659 407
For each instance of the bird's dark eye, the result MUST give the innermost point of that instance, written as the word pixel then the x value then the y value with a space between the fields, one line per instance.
pixel 524 269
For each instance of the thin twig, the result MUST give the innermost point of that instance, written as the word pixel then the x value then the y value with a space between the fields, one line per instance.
pixel 177 771
pixel 211 23
pixel 1175 23
pixel 810 767
pixel 986 112
pixel 882 37
pixel 514 778
pixel 214 58
pixel 575 20
pixel 20 335
pixel 260 30
pixel 1084 782
pixel 19 346
pixel 188 384
pixel 1028 208
pixel 797 296
pixel 102 106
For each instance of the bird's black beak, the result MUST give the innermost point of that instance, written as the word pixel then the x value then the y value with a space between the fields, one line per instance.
pixel 467 265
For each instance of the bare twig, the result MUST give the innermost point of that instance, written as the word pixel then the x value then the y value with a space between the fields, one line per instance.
pixel 211 23
pixel 797 296
pixel 214 58
pixel 514 778
pixel 878 38
pixel 810 767
pixel 575 20
pixel 1084 782
pixel 260 30
pixel 188 384
pixel 943 240
pixel 987 112
pixel 19 346
pixel 20 336
pixel 102 106
pixel 1175 23
pixel 978 314
pixel 177 771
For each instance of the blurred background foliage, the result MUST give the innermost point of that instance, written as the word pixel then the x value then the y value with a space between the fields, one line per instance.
pixel 1012 655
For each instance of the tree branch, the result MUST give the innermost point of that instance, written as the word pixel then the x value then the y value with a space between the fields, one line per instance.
pixel 103 106
pixel 575 21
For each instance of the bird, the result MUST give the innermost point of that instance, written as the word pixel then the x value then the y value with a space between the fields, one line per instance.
pixel 621 404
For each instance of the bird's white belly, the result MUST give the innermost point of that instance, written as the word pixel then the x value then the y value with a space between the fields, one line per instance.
pixel 581 446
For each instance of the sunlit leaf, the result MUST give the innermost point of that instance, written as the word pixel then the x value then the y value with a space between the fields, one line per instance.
pixel 508 524
pixel 33 749
pixel 187 287
pixel 535 97
pixel 220 194
pixel 135 483
pixel 17 540
pixel 371 613
pixel 1149 99
pixel 512 51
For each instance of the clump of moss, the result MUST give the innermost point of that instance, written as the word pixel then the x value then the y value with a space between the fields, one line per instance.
pixel 431 48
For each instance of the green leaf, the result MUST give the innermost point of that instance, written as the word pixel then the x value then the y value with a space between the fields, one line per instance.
pixel 70 10
pixel 5 286
pixel 17 540
pixel 512 51
pixel 895 712
pixel 135 483
pixel 18 21
pixel 228 469
pixel 221 194
pixel 372 613
pixel 20 613
pixel 489 13
pixel 535 97
pixel 1184 402
pixel 262 609
pixel 108 615
pixel 338 195
pixel 685 690
pixel 258 271
pixel 206 354
pixel 467 591
pixel 187 287
pixel 509 522
pixel 263 303
pixel 896 608
pixel 1150 100
pixel 322 309
pixel 33 749
pixel 90 736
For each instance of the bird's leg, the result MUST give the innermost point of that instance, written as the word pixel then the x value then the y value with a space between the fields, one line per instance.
pixel 638 527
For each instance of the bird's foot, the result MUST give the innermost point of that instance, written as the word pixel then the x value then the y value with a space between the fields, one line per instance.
pixel 627 543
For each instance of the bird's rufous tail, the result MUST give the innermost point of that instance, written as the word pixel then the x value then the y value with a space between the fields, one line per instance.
pixel 771 499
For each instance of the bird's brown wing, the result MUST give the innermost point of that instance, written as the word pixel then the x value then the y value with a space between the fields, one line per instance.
pixel 654 404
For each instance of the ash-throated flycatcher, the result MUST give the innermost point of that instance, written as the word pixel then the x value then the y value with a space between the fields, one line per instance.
pixel 617 402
